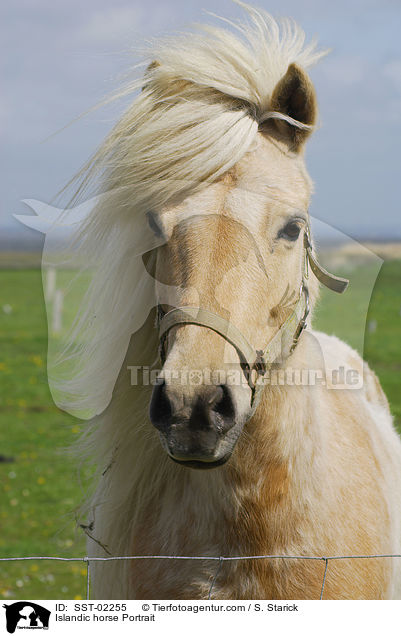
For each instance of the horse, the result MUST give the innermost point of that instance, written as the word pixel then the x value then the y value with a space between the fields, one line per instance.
pixel 217 459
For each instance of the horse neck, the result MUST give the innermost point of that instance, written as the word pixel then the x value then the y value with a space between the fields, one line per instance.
pixel 258 499
pixel 272 475
pixel 265 484
pixel 283 430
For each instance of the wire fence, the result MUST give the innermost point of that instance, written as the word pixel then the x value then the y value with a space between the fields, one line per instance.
pixel 219 559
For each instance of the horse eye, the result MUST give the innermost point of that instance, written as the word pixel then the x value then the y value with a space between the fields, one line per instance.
pixel 291 231
pixel 154 225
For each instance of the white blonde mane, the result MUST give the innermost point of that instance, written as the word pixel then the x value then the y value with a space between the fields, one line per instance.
pixel 201 100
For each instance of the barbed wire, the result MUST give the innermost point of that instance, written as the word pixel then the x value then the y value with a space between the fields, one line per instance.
pixel 219 559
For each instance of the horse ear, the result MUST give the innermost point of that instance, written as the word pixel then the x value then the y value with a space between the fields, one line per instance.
pixel 294 96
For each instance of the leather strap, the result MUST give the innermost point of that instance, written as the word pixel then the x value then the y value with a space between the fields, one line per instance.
pixel 205 318
pixel 335 283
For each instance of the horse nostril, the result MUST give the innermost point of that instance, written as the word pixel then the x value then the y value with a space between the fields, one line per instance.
pixel 213 408
pixel 224 404
pixel 160 410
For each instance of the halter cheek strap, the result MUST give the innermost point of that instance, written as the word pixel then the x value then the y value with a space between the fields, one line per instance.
pixel 335 283
pixel 255 362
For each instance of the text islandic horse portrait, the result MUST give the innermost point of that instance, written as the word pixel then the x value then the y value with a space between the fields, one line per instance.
pixel 221 461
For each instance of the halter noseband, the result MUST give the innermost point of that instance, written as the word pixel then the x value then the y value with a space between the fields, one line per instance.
pixel 255 362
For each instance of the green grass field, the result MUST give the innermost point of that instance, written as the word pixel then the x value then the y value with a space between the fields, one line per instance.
pixel 40 487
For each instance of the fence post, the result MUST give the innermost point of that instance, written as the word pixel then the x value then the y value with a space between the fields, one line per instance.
pixel 57 311
pixel 50 283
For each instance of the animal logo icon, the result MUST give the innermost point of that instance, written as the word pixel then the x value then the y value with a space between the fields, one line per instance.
pixel 26 615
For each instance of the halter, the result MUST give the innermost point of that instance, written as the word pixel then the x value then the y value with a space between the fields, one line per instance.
pixel 255 362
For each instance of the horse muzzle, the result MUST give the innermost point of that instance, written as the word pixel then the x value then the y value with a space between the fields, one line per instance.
pixel 197 430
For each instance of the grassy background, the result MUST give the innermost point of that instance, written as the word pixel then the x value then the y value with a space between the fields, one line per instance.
pixel 40 487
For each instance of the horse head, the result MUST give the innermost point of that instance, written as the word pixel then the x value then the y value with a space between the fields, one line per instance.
pixel 237 251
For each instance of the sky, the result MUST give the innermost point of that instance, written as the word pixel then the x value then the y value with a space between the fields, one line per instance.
pixel 61 57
